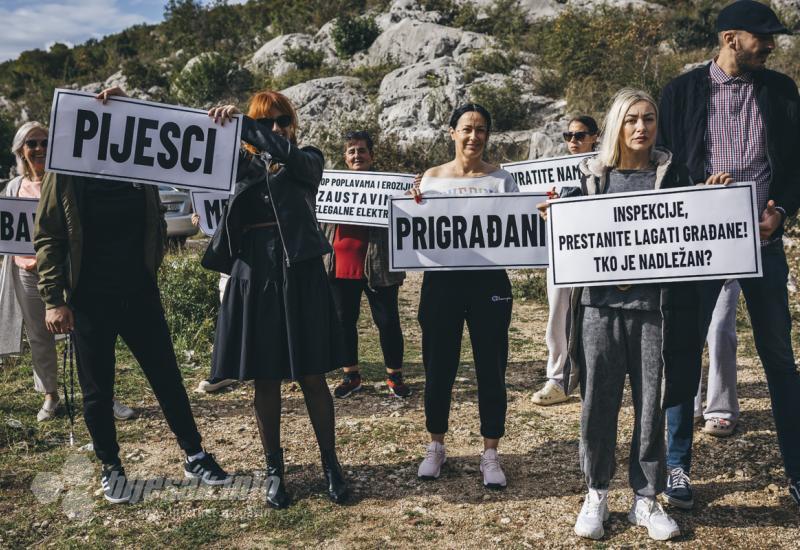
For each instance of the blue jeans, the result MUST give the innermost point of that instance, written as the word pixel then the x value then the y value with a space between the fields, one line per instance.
pixel 768 305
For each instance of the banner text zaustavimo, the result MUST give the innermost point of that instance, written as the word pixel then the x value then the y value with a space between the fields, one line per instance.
pixel 691 233
pixel 359 198
pixel 141 141
pixel 460 232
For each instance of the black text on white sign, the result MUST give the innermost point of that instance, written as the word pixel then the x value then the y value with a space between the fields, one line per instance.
pixel 17 217
pixel 209 207
pixel 140 141
pixel 359 198
pixel 544 174
pixel 693 233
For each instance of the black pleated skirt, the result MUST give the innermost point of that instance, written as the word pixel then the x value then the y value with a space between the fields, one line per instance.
pixel 275 322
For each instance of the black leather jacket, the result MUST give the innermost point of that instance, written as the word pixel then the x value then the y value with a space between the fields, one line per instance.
pixel 292 191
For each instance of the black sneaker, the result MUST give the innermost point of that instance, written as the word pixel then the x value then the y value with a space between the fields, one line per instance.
pixel 395 382
pixel 679 489
pixel 351 383
pixel 116 488
pixel 794 491
pixel 206 470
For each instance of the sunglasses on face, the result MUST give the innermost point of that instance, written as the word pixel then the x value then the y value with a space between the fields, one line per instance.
pixel 31 143
pixel 282 121
pixel 579 136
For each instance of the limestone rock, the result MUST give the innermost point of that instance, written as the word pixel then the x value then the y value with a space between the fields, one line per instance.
pixel 409 41
pixel 788 11
pixel 271 57
pixel 544 9
pixel 323 102
pixel 416 100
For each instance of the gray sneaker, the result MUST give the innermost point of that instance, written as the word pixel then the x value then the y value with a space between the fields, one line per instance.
pixel 493 476
pixel 431 466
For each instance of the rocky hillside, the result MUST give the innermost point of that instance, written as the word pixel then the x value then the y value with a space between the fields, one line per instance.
pixel 396 67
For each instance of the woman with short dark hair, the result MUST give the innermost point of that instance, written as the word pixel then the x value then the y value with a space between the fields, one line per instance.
pixel 482 298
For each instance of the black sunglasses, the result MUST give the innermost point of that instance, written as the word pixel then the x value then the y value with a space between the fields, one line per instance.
pixel 282 121
pixel 31 143
pixel 580 136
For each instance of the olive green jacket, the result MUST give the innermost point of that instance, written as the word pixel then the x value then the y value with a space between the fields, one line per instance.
pixel 58 236
pixel 376 263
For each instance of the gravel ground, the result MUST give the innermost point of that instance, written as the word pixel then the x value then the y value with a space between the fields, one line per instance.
pixel 741 499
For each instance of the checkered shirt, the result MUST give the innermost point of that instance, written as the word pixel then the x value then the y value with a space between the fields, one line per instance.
pixel 736 141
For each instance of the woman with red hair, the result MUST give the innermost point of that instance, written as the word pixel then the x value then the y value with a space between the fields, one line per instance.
pixel 277 319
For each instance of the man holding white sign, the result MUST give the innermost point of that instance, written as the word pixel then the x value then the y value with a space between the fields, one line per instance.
pixel 735 115
pixel 359 262
pixel 99 243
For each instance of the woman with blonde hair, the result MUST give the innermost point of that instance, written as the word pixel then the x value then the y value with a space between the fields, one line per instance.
pixel 648 332
pixel 277 320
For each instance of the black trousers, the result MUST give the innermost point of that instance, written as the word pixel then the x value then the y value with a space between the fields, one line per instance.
pixel 139 320
pixel 483 300
pixel 385 313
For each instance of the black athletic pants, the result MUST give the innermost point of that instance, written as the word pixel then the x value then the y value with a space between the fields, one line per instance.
pixel 483 300
pixel 385 313
pixel 139 320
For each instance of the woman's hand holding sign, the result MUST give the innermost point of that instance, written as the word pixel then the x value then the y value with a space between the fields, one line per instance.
pixel 543 207
pixel 219 114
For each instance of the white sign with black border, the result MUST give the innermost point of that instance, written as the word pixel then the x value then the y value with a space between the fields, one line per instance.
pixel 467 232
pixel 544 174
pixel 141 141
pixel 686 234
pixel 209 206
pixel 17 217
pixel 359 198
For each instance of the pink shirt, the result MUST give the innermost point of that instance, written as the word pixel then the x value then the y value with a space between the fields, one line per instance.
pixel 31 190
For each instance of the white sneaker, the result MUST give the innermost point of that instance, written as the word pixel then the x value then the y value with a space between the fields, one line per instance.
pixel 48 410
pixel 206 386
pixel 493 476
pixel 431 466
pixel 122 412
pixel 647 512
pixel 550 394
pixel 593 513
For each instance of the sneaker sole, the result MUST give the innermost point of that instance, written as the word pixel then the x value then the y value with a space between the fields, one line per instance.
pixel 397 395
pixel 677 503
pixel 113 500
pixel 589 534
pixel 351 392
pixel 655 536
pixel 494 486
pixel 211 388
pixel 548 402
pixel 204 481
pixel 124 417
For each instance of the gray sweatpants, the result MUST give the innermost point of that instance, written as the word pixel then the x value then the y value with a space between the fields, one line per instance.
pixel 616 342
pixel 43 344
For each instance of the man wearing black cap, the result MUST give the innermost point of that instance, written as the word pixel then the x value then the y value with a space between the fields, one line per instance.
pixel 735 116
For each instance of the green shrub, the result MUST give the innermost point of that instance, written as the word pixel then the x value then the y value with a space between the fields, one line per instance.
pixel 354 34
pixel 503 103
pixel 506 20
pixel 494 61
pixel 141 76
pixel 210 79
pixel 371 76
pixel 305 58
pixel 588 56
pixel 530 284
pixel 191 301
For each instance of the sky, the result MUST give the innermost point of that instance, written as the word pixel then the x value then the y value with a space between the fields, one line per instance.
pixel 38 24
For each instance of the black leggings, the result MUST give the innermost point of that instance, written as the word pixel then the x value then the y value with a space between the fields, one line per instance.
pixel 267 405
pixel 483 300
pixel 383 303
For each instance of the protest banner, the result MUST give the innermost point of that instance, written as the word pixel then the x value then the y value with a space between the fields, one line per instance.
pixel 544 174
pixel 17 216
pixel 686 234
pixel 209 206
pixel 141 141
pixel 459 232
pixel 359 198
